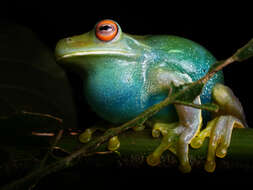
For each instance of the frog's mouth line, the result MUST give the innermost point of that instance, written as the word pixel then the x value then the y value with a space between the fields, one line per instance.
pixel 83 53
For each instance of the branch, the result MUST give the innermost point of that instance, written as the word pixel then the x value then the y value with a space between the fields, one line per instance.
pixel 42 115
pixel 238 155
pixel 43 162
pixel 209 106
pixel 144 144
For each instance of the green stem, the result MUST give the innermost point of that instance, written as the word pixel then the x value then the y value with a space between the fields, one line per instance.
pixel 239 155
pixel 209 107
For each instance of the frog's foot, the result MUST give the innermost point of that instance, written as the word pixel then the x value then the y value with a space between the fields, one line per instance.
pixel 175 140
pixel 86 136
pixel 113 143
pixel 219 130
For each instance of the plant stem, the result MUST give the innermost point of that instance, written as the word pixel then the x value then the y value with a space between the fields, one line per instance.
pixel 237 156
pixel 219 67
pixel 42 115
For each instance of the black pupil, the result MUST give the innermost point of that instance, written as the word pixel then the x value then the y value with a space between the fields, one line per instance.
pixel 105 28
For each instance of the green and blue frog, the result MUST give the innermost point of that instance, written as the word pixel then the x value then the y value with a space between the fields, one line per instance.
pixel 125 74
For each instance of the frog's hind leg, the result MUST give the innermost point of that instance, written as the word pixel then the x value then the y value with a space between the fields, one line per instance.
pixel 220 128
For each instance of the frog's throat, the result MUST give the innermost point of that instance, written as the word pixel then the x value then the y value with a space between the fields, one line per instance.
pixel 100 52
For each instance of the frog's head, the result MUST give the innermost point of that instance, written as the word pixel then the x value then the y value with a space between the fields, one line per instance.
pixel 105 43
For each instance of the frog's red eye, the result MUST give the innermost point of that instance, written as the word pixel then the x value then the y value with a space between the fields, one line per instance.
pixel 106 30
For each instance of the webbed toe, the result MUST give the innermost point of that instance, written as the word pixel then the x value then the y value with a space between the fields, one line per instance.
pixel 172 140
pixel 219 130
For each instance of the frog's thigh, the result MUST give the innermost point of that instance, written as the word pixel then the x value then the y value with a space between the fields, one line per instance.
pixel 228 103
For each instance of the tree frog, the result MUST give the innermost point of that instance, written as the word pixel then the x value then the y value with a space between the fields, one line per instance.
pixel 125 74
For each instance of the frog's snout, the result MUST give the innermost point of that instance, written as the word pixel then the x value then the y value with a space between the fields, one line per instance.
pixel 61 48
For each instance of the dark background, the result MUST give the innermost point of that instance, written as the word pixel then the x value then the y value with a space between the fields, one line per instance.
pixel 221 29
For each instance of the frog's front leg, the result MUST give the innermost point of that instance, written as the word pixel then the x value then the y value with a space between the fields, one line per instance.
pixel 178 136
pixel 219 129
pixel 190 120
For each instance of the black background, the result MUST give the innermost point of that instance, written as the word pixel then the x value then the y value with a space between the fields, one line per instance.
pixel 221 29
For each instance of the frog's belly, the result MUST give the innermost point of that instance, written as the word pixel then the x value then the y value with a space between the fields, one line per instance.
pixel 120 100
pixel 115 102
pixel 118 106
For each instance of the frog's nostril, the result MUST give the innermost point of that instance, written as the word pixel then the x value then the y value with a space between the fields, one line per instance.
pixel 69 40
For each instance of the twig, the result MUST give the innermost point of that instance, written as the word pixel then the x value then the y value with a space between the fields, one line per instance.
pixel 212 72
pixel 57 139
pixel 42 164
pixel 43 134
pixel 208 107
pixel 42 115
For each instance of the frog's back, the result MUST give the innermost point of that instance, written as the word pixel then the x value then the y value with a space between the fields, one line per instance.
pixel 185 56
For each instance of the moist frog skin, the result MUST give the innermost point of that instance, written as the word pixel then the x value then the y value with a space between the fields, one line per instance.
pixel 125 74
